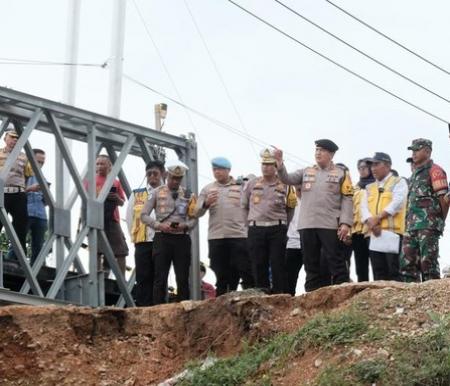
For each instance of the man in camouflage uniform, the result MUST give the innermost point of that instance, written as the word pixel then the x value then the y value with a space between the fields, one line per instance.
pixel 425 218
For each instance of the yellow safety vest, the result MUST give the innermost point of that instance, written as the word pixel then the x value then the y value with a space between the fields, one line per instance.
pixel 358 226
pixel 378 200
pixel 139 229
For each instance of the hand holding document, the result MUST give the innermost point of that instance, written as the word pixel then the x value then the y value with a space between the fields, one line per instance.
pixel 387 242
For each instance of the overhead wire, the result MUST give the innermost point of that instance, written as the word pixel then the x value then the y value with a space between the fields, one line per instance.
pixel 379 62
pixel 219 74
pixel 169 76
pixel 397 43
pixel 49 63
pixel 323 56
pixel 291 157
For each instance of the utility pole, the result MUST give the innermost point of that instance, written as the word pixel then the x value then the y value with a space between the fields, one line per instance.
pixel 69 90
pixel 116 58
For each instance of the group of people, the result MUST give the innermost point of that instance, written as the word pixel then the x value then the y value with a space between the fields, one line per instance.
pixel 263 229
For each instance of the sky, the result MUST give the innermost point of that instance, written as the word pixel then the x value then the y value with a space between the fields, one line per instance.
pixel 276 91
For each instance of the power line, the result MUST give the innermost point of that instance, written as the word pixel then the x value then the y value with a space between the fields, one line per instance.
pixel 338 64
pixel 394 71
pixel 49 63
pixel 291 157
pixel 389 38
pixel 219 75
pixel 147 30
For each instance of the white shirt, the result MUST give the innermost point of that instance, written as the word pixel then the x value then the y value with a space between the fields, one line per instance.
pixel 292 233
pixel 399 196
pixel 129 216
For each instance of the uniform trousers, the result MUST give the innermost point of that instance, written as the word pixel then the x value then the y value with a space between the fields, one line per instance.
pixel 37 227
pixel 16 206
pixel 267 246
pixel 294 262
pixel 167 249
pixel 323 258
pixel 144 273
pixel 385 266
pixel 420 255
pixel 360 246
pixel 230 262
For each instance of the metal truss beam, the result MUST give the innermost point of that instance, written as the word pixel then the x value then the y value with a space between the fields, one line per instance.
pixel 120 139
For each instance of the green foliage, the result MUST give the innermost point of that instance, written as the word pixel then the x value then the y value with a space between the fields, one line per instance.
pixel 415 360
pixel 322 331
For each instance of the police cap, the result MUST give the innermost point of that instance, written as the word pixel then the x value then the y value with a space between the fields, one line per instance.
pixel 381 157
pixel 327 144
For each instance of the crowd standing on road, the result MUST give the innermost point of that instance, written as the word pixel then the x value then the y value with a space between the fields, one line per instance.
pixel 261 229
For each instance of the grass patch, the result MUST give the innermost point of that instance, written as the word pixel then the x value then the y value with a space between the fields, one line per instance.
pixel 322 331
pixel 422 360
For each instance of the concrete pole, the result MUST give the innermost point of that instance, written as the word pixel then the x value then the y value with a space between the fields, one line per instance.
pixel 116 58
pixel 69 91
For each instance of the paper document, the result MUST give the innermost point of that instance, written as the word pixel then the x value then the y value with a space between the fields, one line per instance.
pixel 387 242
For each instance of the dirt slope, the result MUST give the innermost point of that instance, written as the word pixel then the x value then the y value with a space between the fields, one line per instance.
pixel 82 346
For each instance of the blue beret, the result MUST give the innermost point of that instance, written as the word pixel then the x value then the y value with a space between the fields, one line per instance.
pixel 221 162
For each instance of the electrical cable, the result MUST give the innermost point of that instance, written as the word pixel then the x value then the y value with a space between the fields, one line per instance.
pixel 141 17
pixel 394 71
pixel 291 157
pixel 49 63
pixel 219 75
pixel 389 38
pixel 323 56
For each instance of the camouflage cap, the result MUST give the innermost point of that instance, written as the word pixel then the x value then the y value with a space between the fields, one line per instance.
pixel 419 143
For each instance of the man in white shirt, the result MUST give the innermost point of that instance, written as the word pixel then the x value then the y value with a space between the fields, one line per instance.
pixel 383 208
pixel 294 257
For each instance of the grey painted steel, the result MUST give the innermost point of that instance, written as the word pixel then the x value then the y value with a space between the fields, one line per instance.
pixel 75 121
pixel 122 177
pixel 1 269
pixel 20 254
pixel 92 238
pixel 39 261
pixel 11 297
pixel 77 288
pixel 130 285
pixel 19 145
pixel 115 169
pixel 190 158
pixel 120 139
pixel 120 279
pixel 67 262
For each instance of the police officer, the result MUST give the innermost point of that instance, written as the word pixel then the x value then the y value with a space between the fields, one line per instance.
pixel 425 217
pixel 142 235
pixel 325 217
pixel 383 206
pixel 227 228
pixel 14 186
pixel 172 243
pixel 265 199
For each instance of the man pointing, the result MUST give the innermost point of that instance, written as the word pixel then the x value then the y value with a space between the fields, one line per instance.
pixel 326 214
